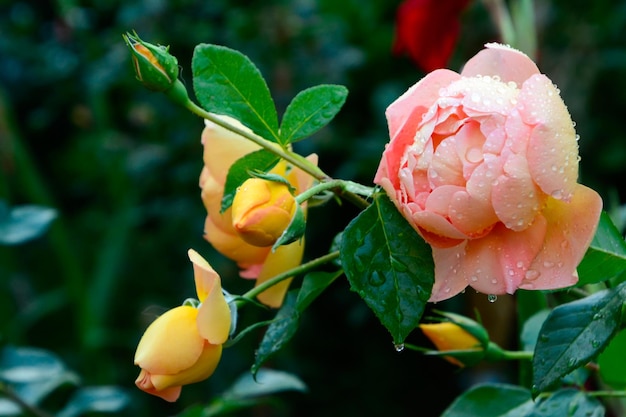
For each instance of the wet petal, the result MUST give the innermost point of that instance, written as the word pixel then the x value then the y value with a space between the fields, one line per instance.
pixel 449 278
pixel 436 229
pixel 158 355
pixel 570 229
pixel 516 200
pixel 446 167
pixel 471 216
pixel 507 63
pixel 552 149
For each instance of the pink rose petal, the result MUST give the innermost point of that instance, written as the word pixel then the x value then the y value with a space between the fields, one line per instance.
pixel 500 60
pixel 552 149
pixel 570 229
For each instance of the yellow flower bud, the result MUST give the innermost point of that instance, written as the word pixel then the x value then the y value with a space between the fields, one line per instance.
pixel 184 345
pixel 448 336
pixel 154 66
pixel 262 210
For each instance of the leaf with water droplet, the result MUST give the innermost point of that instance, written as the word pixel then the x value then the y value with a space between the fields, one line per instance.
pixel 574 336
pixel 606 256
pixel 388 265
pixel 310 110
pixel 227 82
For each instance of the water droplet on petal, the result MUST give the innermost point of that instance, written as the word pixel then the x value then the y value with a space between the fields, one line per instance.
pixel 492 298
pixel 519 264
pixel 532 274
pixel 548 264
pixel 474 278
pixel 494 281
pixel 558 194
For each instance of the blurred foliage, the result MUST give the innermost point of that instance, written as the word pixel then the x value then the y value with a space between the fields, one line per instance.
pixel 120 165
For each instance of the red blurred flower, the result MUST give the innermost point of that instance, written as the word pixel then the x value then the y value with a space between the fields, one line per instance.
pixel 427 30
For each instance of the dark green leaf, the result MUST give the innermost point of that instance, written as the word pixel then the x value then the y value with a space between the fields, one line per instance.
pixel 33 373
pixel 23 223
pixel 388 265
pixel 531 328
pixel 313 284
pixel 606 256
pixel 574 333
pixel 294 231
pixel 612 363
pixel 261 160
pixel 568 403
pixel 311 110
pixel 227 82
pixel 102 399
pixel 491 400
pixel 279 332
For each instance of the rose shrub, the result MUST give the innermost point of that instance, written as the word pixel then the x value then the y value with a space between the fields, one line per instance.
pixel 484 166
pixel 222 148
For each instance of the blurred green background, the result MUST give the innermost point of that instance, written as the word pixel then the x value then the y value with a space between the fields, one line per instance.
pixel 121 166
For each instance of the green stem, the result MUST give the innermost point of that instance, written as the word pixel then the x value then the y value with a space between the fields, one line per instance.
pixel 606 393
pixel 178 93
pixel 340 187
pixel 305 267
pixel 512 355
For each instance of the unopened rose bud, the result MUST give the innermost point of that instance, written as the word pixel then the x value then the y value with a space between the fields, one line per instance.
pixel 262 210
pixel 464 348
pixel 154 66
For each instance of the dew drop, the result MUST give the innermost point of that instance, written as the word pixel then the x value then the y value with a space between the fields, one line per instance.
pixel 492 298
pixel 548 264
pixel 474 278
pixel 519 264
pixel 598 316
pixel 595 344
pixel 399 347
pixel 494 281
pixel 475 97
pixel 532 274
pixel 558 194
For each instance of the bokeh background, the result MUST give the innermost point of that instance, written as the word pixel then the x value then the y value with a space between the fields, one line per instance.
pixel 121 164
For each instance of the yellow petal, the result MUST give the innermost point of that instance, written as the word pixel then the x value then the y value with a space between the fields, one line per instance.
pixel 157 352
pixel 449 336
pixel 201 370
pixel 144 383
pixel 233 246
pixel 214 314
pixel 284 258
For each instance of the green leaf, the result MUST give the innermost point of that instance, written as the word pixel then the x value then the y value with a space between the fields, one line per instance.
pixel 265 382
pixel 612 364
pixel 606 256
pixel 388 265
pixel 227 82
pixel 491 400
pixel 102 399
pixel 531 328
pixel 574 333
pixel 23 223
pixel 313 284
pixel 242 169
pixel 311 110
pixel 570 403
pixel 279 332
pixel 32 374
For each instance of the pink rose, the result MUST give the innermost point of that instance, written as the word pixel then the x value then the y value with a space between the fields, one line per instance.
pixel 484 165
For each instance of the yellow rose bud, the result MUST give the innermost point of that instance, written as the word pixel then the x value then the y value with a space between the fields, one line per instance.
pixel 184 345
pixel 167 365
pixel 154 66
pixel 448 336
pixel 262 210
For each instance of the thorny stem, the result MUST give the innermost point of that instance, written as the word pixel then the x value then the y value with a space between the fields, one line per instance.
pixel 305 267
